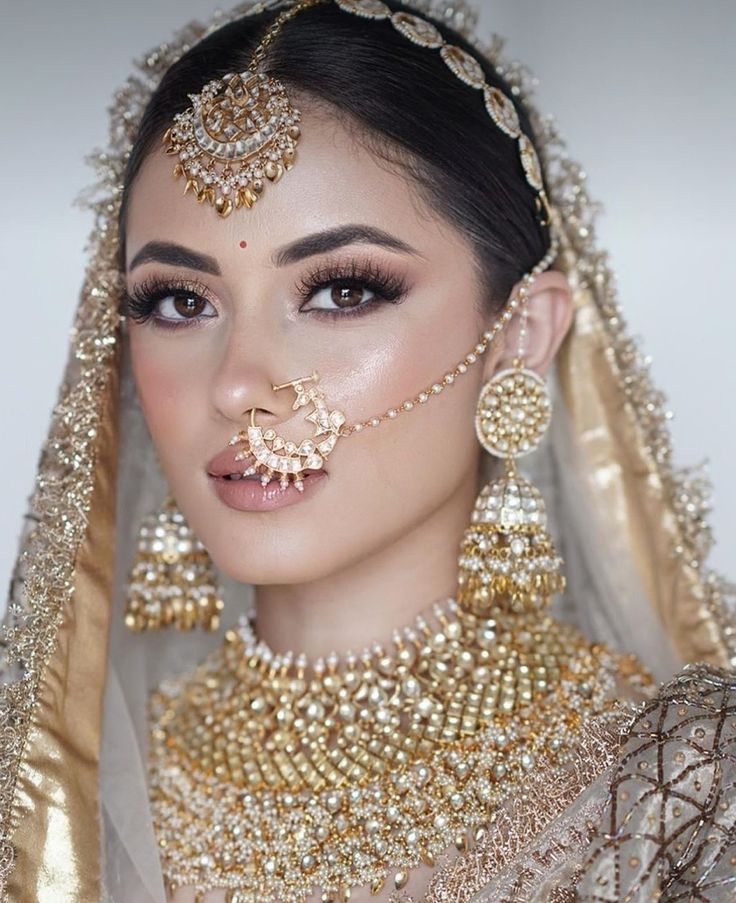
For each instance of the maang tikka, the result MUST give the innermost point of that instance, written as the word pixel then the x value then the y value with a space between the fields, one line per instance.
pixel 240 130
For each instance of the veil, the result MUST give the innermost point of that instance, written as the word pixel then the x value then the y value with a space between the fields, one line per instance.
pixel 629 524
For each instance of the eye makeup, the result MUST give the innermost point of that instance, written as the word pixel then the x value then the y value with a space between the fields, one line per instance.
pixel 146 299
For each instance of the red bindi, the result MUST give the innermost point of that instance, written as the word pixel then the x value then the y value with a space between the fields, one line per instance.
pixel 243 244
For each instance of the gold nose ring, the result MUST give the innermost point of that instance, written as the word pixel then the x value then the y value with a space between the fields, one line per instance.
pixel 272 454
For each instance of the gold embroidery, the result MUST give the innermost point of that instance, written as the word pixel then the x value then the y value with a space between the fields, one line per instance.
pixel 669 832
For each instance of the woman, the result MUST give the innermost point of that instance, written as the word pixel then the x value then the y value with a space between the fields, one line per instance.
pixel 421 695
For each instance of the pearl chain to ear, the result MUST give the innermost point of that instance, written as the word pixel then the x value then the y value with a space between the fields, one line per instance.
pixel 472 356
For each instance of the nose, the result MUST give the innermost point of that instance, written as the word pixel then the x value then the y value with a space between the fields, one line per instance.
pixel 245 380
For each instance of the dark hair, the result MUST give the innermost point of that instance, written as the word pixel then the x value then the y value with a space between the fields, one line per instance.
pixel 463 165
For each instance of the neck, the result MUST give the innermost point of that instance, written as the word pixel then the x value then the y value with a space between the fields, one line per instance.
pixel 365 602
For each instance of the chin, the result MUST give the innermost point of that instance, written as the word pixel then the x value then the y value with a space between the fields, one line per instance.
pixel 271 562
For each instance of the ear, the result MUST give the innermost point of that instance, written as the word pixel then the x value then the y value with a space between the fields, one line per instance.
pixel 550 313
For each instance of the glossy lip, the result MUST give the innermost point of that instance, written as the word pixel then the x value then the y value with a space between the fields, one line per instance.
pixel 250 495
pixel 224 462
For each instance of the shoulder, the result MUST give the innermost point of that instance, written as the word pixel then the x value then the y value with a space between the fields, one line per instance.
pixel 668 830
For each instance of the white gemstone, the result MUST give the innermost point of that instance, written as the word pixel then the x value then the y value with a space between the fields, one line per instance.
pixel 517 546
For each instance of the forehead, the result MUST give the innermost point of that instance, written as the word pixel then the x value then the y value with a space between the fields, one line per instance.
pixel 334 180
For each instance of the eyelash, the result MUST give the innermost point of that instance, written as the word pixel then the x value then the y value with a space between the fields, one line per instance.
pixel 386 288
pixel 140 304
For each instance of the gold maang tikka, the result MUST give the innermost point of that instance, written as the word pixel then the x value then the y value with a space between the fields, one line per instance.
pixel 240 130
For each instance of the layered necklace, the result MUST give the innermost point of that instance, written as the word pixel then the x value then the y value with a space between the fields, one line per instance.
pixel 276 777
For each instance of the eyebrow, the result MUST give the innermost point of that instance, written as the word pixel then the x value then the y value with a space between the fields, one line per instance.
pixel 331 239
pixel 316 243
pixel 175 255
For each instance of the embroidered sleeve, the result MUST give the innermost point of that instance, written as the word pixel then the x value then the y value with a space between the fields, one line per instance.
pixel 669 828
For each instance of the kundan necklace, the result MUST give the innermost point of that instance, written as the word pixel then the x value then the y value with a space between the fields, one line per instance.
pixel 275 777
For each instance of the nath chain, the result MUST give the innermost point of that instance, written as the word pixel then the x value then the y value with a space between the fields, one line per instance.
pixel 470 358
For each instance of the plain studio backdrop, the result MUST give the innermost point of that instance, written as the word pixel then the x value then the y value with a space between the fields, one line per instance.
pixel 644 94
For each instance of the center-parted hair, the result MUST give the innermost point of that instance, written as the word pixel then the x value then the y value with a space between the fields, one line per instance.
pixel 411 111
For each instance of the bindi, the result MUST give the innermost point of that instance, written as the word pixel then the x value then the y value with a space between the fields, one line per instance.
pixel 243 244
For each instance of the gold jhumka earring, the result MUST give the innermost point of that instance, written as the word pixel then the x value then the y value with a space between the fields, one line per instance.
pixel 507 559
pixel 171 583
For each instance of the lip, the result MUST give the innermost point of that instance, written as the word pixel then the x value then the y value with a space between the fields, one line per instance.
pixel 250 495
pixel 225 461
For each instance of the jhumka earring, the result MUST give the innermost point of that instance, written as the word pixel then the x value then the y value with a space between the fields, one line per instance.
pixel 172 581
pixel 507 558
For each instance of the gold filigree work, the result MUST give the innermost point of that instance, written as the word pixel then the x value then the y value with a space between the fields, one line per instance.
pixel 271 779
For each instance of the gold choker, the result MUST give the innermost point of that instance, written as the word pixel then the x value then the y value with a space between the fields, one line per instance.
pixel 275 777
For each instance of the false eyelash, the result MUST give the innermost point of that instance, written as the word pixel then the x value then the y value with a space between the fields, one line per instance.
pixel 387 287
pixel 140 303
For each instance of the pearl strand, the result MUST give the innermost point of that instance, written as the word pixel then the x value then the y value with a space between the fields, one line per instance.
pixel 445 611
pixel 470 358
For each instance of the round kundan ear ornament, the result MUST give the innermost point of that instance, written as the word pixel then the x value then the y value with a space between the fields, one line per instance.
pixel 513 412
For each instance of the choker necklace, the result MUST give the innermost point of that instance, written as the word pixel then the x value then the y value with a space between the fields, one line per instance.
pixel 262 654
pixel 275 778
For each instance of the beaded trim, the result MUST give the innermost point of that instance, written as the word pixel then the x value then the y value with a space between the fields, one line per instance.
pixel 261 655
pixel 466 68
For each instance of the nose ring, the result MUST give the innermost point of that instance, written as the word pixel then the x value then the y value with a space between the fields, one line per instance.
pixel 272 454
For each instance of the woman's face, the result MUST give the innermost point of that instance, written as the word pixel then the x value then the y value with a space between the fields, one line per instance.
pixel 275 292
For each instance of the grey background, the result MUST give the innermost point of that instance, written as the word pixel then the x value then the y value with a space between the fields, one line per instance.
pixel 644 93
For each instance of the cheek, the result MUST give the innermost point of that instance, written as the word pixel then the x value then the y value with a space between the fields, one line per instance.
pixel 167 389
pixel 409 466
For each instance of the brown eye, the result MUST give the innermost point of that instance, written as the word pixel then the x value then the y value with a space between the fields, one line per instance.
pixel 184 306
pixel 341 296
pixel 188 305
pixel 346 295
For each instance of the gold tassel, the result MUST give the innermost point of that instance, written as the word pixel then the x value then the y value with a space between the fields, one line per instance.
pixel 172 581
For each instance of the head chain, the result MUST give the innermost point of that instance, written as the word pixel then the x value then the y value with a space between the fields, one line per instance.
pixel 247 116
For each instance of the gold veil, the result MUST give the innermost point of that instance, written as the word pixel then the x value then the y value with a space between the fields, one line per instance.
pixel 631 527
